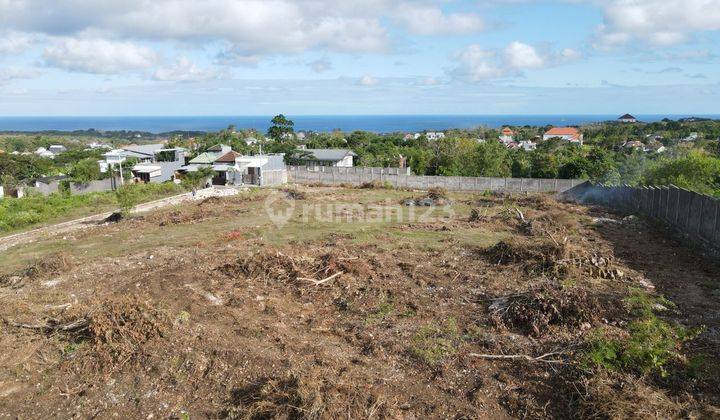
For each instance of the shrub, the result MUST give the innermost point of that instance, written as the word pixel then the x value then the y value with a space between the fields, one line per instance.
pixel 433 343
pixel 651 345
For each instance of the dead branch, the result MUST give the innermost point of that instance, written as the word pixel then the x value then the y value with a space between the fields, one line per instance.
pixel 520 214
pixel 49 327
pixel 542 358
pixel 323 281
pixel 557 244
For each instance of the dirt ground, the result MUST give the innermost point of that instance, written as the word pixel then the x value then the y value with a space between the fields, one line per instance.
pixel 487 306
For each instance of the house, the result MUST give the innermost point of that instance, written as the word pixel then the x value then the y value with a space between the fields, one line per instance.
pixel 430 135
pixel 251 140
pixel 527 145
pixel 56 149
pixel 43 152
pixel 635 145
pixel 507 136
pixel 655 147
pixel 435 135
pixel 156 163
pixel 569 134
pixel 692 137
pixel 328 157
pixel 97 145
pixel 262 170
pixel 627 119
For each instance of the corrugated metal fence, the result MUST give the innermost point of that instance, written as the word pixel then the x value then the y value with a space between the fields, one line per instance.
pixel 402 178
pixel 694 214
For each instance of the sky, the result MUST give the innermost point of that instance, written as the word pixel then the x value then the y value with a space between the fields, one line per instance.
pixel 347 57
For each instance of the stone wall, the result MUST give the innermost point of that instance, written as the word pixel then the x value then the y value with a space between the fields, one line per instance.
pixel 692 214
pixel 402 178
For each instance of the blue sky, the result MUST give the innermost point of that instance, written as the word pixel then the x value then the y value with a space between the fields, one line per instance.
pixel 260 57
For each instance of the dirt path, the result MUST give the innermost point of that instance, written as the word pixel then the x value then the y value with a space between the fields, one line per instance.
pixel 10 241
pixel 677 271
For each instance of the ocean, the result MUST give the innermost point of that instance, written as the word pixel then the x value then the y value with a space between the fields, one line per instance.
pixel 320 123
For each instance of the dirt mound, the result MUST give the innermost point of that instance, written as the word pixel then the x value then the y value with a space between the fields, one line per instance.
pixel 539 257
pixel 535 312
pixel 294 194
pixel 616 396
pixel 209 201
pixel 113 218
pixel 177 217
pixel 271 398
pixel 49 265
pixel 120 328
pixel 318 266
pixel 375 185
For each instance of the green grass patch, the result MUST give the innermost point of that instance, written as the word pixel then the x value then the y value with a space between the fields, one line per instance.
pixel 652 343
pixel 21 213
pixel 434 343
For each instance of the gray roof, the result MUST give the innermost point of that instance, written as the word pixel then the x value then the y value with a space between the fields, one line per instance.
pixel 334 155
pixel 145 149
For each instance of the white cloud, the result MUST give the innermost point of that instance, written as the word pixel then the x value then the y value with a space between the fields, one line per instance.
pixel 186 71
pixel 14 73
pixel 320 65
pixel 570 54
pixel 658 22
pixel 15 42
pixel 253 26
pixel 523 56
pixel 476 64
pixel 367 81
pixel 428 20
pixel 99 56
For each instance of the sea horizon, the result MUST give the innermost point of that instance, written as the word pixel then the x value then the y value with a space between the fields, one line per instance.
pixel 317 123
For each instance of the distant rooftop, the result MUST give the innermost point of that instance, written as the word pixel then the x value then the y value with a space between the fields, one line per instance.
pixel 330 154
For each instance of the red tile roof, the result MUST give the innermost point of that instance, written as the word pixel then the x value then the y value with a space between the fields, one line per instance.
pixel 228 157
pixel 563 131
pixel 507 131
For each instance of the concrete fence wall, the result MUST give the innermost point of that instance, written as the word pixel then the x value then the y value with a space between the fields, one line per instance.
pixel 402 178
pixel 93 186
pixel 693 214
pixel 271 178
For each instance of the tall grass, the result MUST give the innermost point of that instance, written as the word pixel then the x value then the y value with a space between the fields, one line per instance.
pixel 19 213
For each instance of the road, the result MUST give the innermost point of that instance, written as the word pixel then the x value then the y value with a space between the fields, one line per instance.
pixel 21 238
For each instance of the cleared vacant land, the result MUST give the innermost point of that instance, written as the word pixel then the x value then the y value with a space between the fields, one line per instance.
pixel 355 306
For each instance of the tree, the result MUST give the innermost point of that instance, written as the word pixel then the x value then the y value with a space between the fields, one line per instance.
pixel 197 179
pixel 281 128
pixel 697 171
pixel 491 159
pixel 544 165
pixel 85 170
pixel 127 198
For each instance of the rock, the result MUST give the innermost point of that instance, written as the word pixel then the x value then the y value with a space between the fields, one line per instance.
pixel 51 283
pixel 426 202
pixel 409 203
pixel 660 308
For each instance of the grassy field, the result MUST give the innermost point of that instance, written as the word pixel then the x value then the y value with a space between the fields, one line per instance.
pixel 331 302
pixel 18 214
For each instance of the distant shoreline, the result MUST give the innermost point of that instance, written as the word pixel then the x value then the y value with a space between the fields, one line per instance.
pixel 157 125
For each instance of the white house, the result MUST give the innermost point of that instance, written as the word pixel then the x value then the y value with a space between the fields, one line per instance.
pixel 570 134
pixel 342 158
pixel 627 119
pixel 507 136
pixel 691 137
pixel 43 152
pixel 528 145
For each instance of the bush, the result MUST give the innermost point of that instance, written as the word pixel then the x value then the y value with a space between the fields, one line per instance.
pixel 651 345
pixel 17 213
